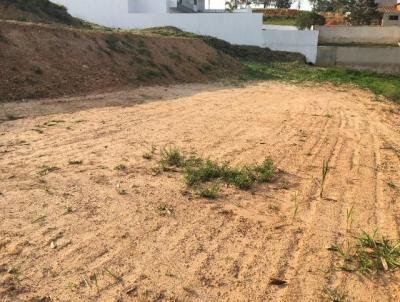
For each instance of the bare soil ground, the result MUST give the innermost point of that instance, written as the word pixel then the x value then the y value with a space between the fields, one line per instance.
pixel 74 228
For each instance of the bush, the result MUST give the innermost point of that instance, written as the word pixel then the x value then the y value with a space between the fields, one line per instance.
pixel 307 19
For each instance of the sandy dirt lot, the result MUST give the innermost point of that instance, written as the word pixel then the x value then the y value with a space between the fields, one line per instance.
pixel 74 228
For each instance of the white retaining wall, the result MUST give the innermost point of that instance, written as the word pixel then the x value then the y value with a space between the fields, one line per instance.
pixel 147 6
pixel 291 39
pixel 359 34
pixel 236 28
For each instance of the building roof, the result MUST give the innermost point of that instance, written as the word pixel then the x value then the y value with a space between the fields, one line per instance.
pixel 390 9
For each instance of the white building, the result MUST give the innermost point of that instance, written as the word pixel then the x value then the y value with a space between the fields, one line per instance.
pixel 203 17
pixel 175 6
pixel 390 10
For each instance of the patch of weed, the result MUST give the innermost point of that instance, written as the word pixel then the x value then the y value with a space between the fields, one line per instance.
pixel 174 56
pixel 206 171
pixel 13 271
pixel 150 152
pixel 335 295
pixel 39 219
pixel 243 178
pixel 113 275
pixel 150 74
pixel 370 254
pixel 47 169
pixel 3 39
pixel 172 157
pixel 164 209
pixel 68 210
pixel 209 192
pixel 266 170
pixel 380 84
pixel 40 131
pixel 121 167
pixel 325 170
pixel 198 171
pixel 391 184
pixel 75 162
pixel 144 52
pixel 38 70
pixel 114 43
pixel 205 68
pixel 121 191
pixel 168 69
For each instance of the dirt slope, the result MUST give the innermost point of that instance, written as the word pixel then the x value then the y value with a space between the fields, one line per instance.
pixel 68 235
pixel 41 61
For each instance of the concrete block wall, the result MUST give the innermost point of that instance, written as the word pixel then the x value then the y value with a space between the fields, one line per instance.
pixel 379 59
pixel 359 34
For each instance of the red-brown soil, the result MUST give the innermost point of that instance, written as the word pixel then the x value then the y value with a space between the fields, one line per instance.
pixel 49 60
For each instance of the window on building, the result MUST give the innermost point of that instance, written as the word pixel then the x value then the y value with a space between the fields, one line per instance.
pixel 394 18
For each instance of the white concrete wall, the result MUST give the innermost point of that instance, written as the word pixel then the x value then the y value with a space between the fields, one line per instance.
pixel 172 3
pixel 236 28
pixel 293 40
pixel 359 34
pixel 147 6
pixel 215 4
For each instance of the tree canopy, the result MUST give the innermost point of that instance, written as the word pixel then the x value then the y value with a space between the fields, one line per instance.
pixel 359 12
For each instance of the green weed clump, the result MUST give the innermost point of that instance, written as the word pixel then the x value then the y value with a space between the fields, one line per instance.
pixel 210 192
pixel 198 172
pixel 334 295
pixel 370 254
pixel 172 157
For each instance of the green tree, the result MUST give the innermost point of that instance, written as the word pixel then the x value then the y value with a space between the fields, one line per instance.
pixel 284 3
pixel 305 20
pixel 322 6
pixel 361 12
pixel 267 3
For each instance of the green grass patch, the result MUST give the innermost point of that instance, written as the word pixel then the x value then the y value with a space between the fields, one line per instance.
pixel 380 84
pixel 369 254
pixel 115 43
pixel 172 157
pixel 198 172
pixel 148 74
pixel 279 21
